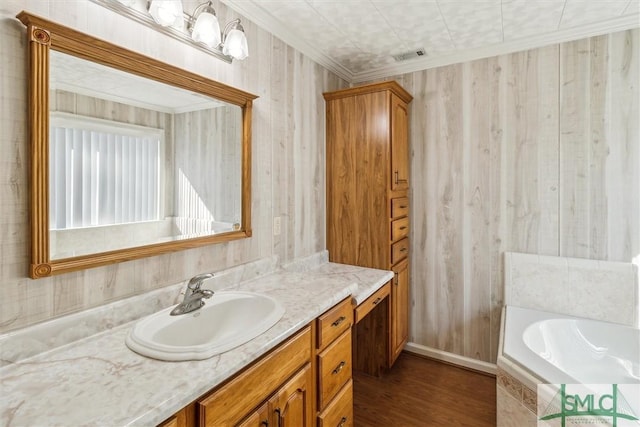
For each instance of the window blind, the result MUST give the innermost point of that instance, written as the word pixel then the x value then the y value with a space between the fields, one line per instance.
pixel 102 175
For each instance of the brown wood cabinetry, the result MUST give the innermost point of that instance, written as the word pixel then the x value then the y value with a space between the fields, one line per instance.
pixel 400 309
pixel 303 380
pixel 283 380
pixel 335 391
pixel 289 406
pixel 339 413
pixel 292 405
pixel 368 193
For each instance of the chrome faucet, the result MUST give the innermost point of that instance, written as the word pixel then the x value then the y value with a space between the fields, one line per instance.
pixel 193 296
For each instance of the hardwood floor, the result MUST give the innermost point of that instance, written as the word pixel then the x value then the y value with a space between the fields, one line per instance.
pixel 423 392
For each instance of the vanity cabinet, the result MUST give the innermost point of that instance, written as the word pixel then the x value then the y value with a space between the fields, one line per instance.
pixel 368 197
pixel 302 382
pixel 277 389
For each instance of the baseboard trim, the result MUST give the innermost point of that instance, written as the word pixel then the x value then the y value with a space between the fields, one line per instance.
pixel 455 359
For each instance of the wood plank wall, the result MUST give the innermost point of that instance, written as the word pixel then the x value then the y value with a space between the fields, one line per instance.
pixel 536 152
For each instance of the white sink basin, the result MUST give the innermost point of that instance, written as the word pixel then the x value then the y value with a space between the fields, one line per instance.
pixel 227 320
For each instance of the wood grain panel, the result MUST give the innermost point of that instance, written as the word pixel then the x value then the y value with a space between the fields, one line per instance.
pixel 423 325
pixel 448 211
pixel 498 122
pixel 623 163
pixel 400 147
pixel 372 171
pixel 598 146
pixel 477 215
pixel 341 182
pixel 574 149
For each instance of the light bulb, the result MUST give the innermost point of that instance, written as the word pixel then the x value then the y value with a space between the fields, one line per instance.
pixel 206 30
pixel 167 12
pixel 235 45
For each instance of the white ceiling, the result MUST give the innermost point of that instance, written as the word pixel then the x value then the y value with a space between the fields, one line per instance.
pixel 357 38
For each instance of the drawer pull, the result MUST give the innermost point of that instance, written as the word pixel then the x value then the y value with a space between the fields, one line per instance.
pixel 396 173
pixel 340 320
pixel 377 301
pixel 403 250
pixel 403 207
pixel 265 423
pixel 343 421
pixel 404 227
pixel 339 368
pixel 278 412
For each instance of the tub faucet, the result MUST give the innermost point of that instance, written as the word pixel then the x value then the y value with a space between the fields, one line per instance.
pixel 193 296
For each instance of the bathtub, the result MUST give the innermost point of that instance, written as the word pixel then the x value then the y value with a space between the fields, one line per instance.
pixel 540 347
pixel 565 349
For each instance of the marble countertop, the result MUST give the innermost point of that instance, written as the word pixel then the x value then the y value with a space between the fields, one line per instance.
pixel 98 381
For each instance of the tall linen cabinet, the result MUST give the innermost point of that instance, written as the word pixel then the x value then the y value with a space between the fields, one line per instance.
pixel 367 190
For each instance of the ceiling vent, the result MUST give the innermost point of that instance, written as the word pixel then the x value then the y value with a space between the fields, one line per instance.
pixel 410 55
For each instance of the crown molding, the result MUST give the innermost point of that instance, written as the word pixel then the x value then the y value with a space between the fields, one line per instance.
pixel 260 16
pixel 605 27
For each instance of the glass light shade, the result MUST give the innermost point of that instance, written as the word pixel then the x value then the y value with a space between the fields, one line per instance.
pixel 235 45
pixel 206 30
pixel 167 12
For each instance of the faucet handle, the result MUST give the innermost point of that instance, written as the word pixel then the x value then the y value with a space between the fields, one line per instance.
pixel 196 281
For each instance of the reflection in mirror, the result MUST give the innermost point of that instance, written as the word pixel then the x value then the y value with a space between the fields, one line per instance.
pixel 135 162
pixel 130 157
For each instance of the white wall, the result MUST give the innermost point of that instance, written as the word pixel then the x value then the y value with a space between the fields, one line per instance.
pixel 287 175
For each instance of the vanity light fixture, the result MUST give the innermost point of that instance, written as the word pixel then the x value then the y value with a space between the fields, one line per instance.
pixel 203 26
pixel 200 30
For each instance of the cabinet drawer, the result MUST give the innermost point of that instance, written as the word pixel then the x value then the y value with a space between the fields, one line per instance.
pixel 399 207
pixel 334 322
pixel 339 413
pixel 370 303
pixel 399 250
pixel 399 229
pixel 334 368
pixel 234 400
pixel 171 422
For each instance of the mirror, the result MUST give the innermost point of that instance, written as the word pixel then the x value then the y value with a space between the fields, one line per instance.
pixel 131 157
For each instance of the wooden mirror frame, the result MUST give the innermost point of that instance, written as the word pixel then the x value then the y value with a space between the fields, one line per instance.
pixel 44 35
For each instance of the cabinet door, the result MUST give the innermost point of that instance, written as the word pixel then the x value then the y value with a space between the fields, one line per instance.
pixel 399 310
pixel 258 418
pixel 399 145
pixel 292 405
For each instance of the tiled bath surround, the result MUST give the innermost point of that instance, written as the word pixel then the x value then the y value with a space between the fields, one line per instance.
pixel 516 403
pixel 600 290
pixel 593 289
